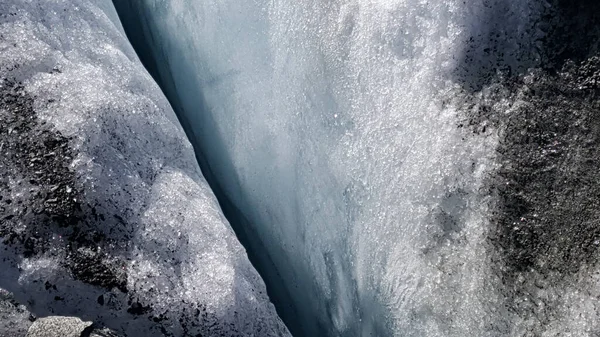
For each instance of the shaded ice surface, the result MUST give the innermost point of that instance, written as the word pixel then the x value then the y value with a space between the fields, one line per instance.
pixel 104 213
pixel 397 168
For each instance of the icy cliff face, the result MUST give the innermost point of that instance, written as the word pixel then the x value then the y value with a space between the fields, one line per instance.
pixel 104 213
pixel 394 166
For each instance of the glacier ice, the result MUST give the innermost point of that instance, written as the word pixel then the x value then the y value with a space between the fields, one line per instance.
pixel 396 167
pixel 104 213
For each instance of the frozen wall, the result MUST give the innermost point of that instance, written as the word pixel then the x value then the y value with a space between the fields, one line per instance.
pixel 104 213
pixel 393 166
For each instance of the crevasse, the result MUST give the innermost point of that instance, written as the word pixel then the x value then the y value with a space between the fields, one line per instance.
pixel 355 147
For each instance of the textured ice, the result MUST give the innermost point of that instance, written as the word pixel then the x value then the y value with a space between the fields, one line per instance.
pixel 361 141
pixel 104 213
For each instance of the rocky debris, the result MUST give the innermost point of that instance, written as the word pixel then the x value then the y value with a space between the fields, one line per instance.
pixel 15 320
pixel 37 158
pixel 545 233
pixel 547 185
pixel 544 239
pixel 63 326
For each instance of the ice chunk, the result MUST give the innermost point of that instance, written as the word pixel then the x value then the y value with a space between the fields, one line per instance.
pixel 104 213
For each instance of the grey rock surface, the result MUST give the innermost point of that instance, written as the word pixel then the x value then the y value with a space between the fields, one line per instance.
pixel 55 326
pixel 103 333
pixel 64 326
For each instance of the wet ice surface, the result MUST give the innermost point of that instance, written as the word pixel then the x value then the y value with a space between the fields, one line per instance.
pixel 104 214
pixel 370 151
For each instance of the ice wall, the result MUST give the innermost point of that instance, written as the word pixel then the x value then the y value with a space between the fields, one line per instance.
pixel 372 155
pixel 104 213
